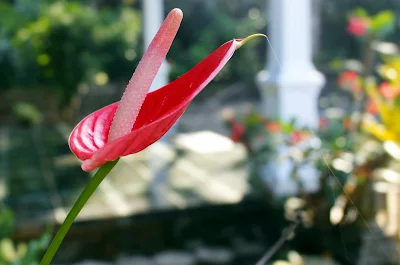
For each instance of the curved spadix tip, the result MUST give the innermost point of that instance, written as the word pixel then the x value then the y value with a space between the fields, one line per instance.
pixel 241 42
pixel 177 12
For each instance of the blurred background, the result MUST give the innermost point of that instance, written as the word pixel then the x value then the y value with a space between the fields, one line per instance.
pixel 309 126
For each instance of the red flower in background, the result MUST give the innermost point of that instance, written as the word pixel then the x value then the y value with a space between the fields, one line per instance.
pixel 347 123
pixel 358 26
pixel 237 131
pixel 350 81
pixel 296 137
pixel 273 127
pixel 388 91
pixel 142 118
pixel 323 123
pixel 372 108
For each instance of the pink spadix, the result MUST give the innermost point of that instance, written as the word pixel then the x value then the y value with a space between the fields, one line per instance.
pixel 142 78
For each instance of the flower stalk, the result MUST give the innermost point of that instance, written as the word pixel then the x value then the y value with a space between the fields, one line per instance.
pixel 75 210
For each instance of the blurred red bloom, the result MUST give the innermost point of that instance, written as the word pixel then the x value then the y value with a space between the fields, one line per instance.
pixel 350 80
pixel 347 123
pixel 273 126
pixel 371 108
pixel 296 137
pixel 323 123
pixel 237 131
pixel 388 91
pixel 357 26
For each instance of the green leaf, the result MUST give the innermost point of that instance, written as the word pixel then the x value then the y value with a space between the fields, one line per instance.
pixel 287 127
pixel 383 23
pixel 6 222
pixel 27 112
pixel 253 119
pixel 337 64
pixel 396 102
pixel 360 12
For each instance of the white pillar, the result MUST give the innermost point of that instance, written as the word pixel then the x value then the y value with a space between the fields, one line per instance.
pixel 316 25
pixel 290 85
pixel 153 16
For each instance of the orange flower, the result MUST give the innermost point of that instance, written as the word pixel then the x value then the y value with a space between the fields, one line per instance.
pixel 372 108
pixel 358 26
pixel 349 80
pixel 347 123
pixel 273 127
pixel 362 172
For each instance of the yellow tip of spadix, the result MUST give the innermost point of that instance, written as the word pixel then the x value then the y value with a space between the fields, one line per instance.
pixel 243 41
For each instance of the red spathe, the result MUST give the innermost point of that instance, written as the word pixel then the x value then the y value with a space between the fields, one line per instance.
pixel 160 110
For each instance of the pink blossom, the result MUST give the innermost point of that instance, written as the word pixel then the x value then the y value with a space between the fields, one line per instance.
pixel 357 26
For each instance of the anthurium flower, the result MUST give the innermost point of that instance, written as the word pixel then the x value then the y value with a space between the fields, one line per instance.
pixel 142 118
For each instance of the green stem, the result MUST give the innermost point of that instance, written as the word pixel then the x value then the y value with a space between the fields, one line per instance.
pixel 368 63
pixel 83 198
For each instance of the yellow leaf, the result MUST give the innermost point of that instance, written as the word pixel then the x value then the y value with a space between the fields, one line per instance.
pixel 379 131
